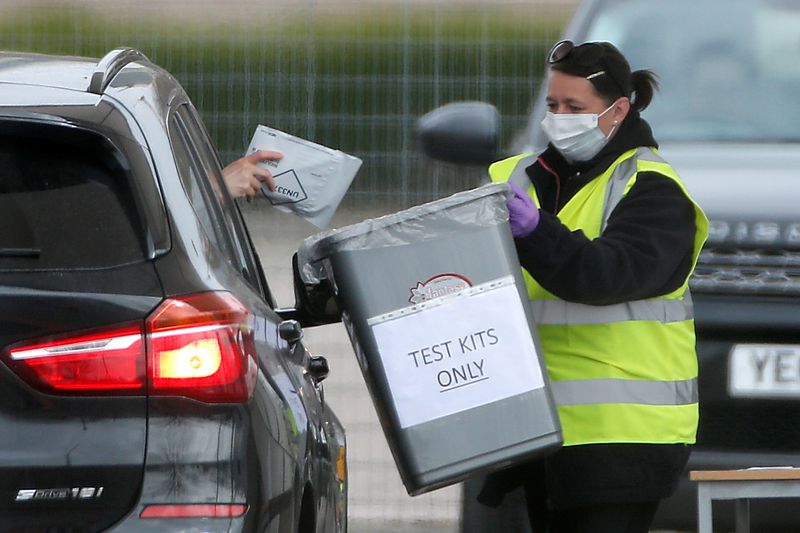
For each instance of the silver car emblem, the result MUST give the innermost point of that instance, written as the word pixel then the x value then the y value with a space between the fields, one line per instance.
pixel 73 493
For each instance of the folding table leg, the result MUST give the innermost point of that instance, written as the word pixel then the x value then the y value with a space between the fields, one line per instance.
pixel 743 516
pixel 704 519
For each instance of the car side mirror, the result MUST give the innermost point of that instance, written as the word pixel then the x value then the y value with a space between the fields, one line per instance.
pixel 466 133
pixel 315 305
pixel 318 367
pixel 291 331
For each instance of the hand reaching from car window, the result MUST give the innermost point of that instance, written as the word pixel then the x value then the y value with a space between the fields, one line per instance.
pixel 244 177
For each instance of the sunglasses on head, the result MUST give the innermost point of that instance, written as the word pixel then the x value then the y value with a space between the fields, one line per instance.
pixel 589 56
pixel 559 51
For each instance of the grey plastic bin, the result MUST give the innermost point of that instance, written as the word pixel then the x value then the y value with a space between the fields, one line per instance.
pixel 434 303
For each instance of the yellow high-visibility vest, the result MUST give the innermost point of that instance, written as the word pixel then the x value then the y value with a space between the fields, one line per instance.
pixel 623 373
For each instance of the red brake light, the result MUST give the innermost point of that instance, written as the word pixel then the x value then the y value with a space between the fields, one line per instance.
pixel 193 511
pixel 200 346
pixel 108 361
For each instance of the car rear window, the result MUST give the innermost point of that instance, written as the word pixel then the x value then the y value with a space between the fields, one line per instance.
pixel 65 203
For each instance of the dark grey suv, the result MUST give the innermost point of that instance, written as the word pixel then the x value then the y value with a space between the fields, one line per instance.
pixel 147 382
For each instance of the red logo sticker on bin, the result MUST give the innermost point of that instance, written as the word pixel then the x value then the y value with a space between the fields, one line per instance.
pixel 440 285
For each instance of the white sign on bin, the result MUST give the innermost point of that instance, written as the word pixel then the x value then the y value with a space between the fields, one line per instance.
pixel 457 352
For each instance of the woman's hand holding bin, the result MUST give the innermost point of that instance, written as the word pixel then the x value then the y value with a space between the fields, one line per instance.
pixel 523 215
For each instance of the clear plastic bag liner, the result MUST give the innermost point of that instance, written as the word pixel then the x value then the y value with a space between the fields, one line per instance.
pixel 476 208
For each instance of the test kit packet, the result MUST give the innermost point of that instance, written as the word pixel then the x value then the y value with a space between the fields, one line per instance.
pixel 310 180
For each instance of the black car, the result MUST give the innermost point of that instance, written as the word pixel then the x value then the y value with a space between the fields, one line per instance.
pixel 147 381
pixel 728 119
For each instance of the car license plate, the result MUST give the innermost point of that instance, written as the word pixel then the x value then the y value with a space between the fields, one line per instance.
pixel 764 371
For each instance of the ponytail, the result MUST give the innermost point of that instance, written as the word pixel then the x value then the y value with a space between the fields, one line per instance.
pixel 609 72
pixel 644 83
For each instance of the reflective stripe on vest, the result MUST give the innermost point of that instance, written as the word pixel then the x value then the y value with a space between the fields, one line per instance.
pixel 645 392
pixel 519 176
pixel 619 183
pixel 562 312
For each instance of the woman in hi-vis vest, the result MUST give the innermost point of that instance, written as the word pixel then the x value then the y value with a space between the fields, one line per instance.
pixel 607 236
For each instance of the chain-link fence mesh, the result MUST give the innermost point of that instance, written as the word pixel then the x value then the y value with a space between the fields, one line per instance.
pixel 350 74
pixel 345 73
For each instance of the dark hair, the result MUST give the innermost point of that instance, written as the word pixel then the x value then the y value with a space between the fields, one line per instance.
pixel 609 72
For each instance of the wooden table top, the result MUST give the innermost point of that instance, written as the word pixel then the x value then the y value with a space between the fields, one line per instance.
pixel 748 474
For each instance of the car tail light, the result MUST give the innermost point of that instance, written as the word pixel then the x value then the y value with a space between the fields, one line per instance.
pixel 101 362
pixel 193 511
pixel 199 346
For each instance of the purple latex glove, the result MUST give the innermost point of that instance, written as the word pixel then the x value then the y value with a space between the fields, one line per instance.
pixel 523 215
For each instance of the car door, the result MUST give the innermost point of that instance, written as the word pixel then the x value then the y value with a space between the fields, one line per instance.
pixel 283 371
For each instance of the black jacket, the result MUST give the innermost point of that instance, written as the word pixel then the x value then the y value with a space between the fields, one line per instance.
pixel 645 251
pixel 646 248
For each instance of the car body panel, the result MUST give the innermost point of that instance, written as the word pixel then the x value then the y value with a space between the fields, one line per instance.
pixel 277 453
pixel 37 70
pixel 719 175
pixel 101 441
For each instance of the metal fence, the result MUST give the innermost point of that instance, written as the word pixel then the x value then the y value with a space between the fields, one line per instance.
pixel 351 74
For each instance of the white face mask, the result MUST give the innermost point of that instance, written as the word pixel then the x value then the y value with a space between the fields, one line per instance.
pixel 577 136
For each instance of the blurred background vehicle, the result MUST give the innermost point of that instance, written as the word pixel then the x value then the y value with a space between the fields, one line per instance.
pixel 147 380
pixel 728 120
